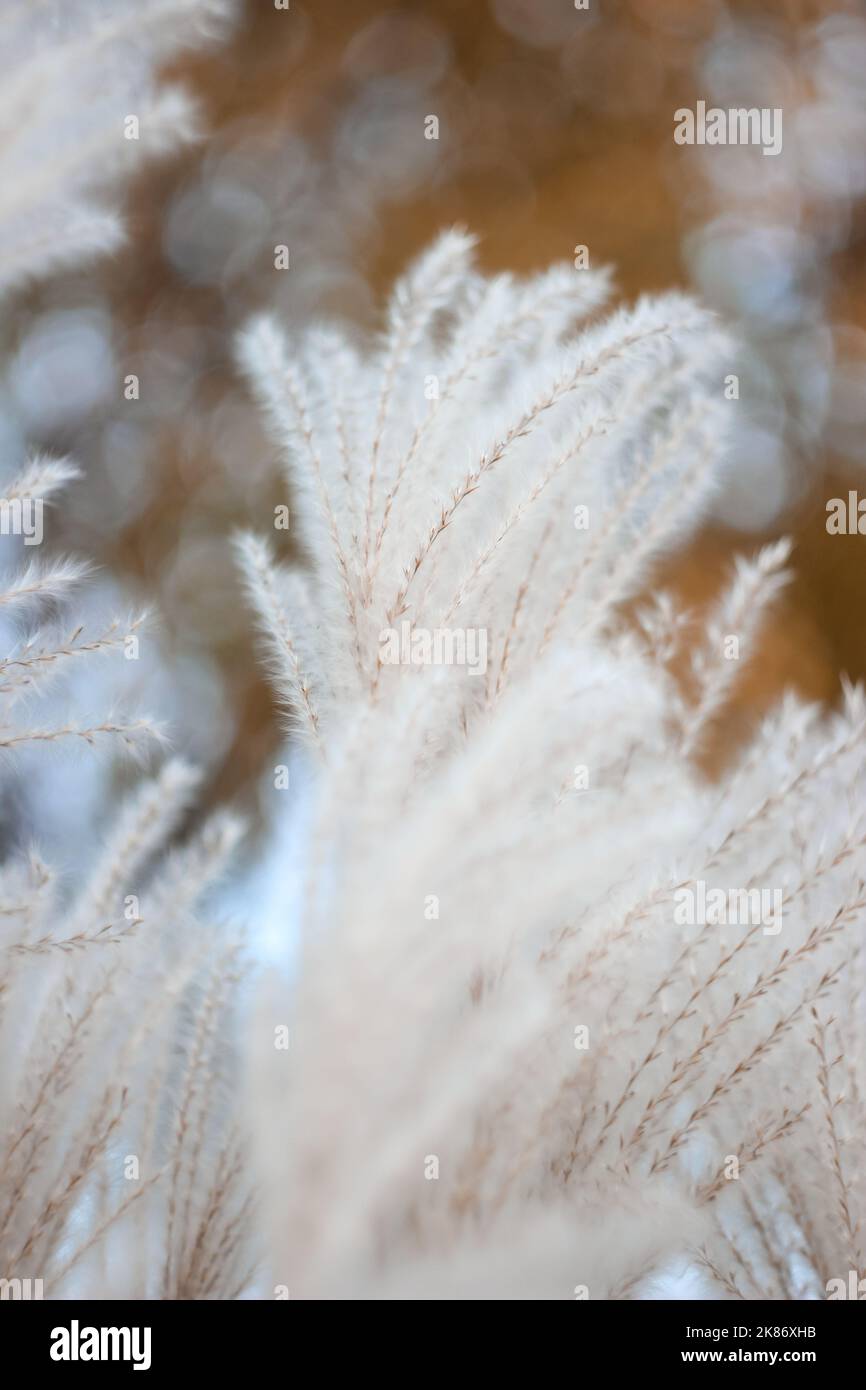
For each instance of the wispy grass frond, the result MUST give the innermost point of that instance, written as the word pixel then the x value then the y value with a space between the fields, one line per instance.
pixel 547 972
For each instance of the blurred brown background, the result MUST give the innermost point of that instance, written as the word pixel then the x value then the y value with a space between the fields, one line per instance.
pixel 555 130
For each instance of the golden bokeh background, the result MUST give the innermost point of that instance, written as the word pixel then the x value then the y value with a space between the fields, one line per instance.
pixel 555 130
